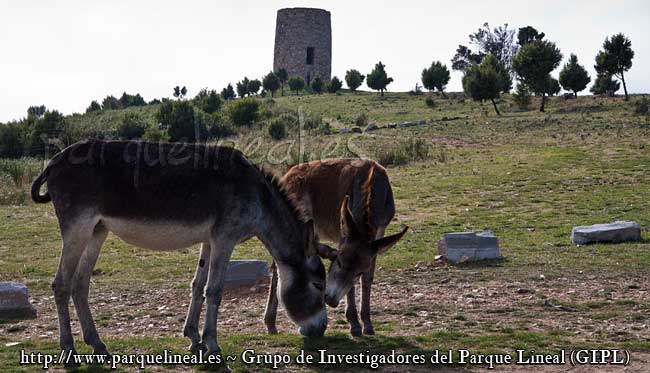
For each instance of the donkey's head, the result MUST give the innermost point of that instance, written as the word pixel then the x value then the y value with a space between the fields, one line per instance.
pixel 356 252
pixel 301 287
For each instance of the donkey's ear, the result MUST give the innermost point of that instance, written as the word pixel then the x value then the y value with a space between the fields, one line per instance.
pixel 327 252
pixel 382 245
pixel 311 242
pixel 348 226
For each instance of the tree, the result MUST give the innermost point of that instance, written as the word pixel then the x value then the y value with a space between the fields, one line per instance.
pixel 378 79
pixel 484 81
pixel 51 124
pixel 242 87
pixel 552 86
pixel 296 84
pixel 110 103
pixel 37 111
pixel 522 97
pixel 528 34
pixel 271 83
pixel 283 77
pixel 208 101
pixel 254 86
pixel 615 58
pixel 464 58
pixel 499 42
pixel 317 85
pixel 573 76
pixel 334 85
pixel 180 92
pixel 435 77
pixel 533 64
pixel 604 84
pixel 94 106
pixel 354 79
pixel 228 93
pixel 177 117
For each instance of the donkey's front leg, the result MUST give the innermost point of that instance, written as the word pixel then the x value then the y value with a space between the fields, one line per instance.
pixel 219 256
pixel 271 312
pixel 191 329
pixel 351 313
pixel 366 284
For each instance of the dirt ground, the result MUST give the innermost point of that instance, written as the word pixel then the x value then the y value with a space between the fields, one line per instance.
pixel 409 302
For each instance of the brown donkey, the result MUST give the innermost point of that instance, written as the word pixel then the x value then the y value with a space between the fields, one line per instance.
pixel 171 196
pixel 351 202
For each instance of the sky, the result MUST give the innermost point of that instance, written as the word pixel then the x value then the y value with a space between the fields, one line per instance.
pixel 65 54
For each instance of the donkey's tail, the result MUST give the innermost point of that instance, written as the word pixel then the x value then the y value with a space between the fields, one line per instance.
pixel 36 188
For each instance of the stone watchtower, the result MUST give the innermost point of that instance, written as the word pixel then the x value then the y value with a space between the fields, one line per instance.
pixel 303 43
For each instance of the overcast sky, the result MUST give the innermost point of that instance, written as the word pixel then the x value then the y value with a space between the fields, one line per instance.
pixel 63 54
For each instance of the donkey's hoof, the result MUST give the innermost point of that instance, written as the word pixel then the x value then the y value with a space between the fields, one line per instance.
pixel 368 330
pixel 71 363
pixel 355 331
pixel 198 348
pixel 272 329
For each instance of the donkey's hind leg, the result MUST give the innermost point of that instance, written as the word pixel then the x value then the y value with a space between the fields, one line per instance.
pixel 191 329
pixel 76 235
pixel 81 286
pixel 271 312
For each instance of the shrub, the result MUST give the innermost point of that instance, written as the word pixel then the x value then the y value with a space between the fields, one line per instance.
pixel 312 121
pixel 277 129
pixel 430 102
pixel 132 126
pixel 12 140
pixel 324 128
pixel 177 118
pixel 641 106
pixel 244 112
pixel 208 101
pixel 405 152
pixel 362 120
pixel 334 85
pixel 155 134
pixel 522 97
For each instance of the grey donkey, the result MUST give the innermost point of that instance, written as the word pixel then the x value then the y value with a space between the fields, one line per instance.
pixel 171 196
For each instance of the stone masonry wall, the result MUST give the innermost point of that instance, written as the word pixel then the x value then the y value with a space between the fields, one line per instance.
pixel 296 30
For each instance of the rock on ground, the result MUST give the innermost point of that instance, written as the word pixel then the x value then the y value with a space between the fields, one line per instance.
pixel 246 272
pixel 618 231
pixel 14 301
pixel 469 247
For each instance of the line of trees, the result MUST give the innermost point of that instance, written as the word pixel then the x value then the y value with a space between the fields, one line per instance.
pixel 504 55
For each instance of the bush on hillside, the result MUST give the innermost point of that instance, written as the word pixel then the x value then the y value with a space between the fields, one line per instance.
pixel 277 129
pixel 244 112
pixel 131 127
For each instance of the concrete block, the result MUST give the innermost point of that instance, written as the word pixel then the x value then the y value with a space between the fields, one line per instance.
pixel 469 247
pixel 246 272
pixel 14 301
pixel 618 231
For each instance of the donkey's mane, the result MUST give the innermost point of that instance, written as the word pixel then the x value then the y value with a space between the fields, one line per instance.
pixel 289 199
pixel 366 192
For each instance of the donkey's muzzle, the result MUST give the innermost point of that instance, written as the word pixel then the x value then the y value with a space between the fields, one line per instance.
pixel 316 326
pixel 331 300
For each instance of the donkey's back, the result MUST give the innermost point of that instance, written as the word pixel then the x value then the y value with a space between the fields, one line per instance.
pixel 321 186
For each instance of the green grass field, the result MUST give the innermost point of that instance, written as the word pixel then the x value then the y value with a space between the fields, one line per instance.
pixel 527 176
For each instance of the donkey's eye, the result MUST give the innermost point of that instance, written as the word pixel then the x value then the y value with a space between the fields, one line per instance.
pixel 318 286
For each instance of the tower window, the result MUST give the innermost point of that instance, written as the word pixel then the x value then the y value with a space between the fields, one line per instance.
pixel 310 55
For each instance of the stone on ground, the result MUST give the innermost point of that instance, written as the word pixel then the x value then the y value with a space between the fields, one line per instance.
pixel 371 127
pixel 618 231
pixel 246 272
pixel 14 301
pixel 464 247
